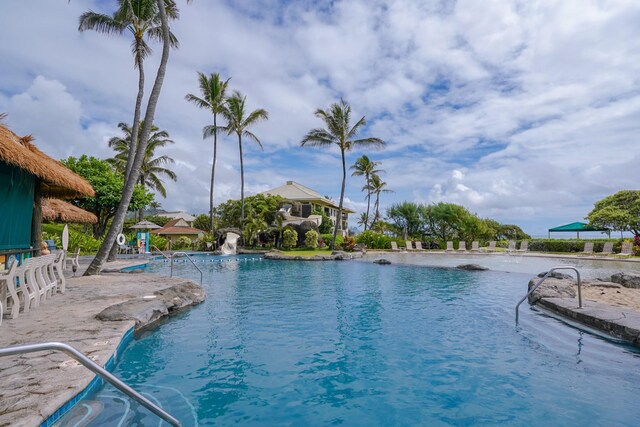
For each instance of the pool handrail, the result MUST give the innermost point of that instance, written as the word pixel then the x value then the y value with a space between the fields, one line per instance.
pixel 534 287
pixel 95 368
pixel 158 249
pixel 189 258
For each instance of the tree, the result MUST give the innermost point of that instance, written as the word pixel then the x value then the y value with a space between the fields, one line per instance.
pixel 213 98
pixel 262 206
pixel 107 184
pixel 365 167
pixel 406 218
pixel 201 222
pixel 362 220
pixel 152 168
pixel 238 122
pixel 339 131
pixel 377 186
pixel 326 224
pixel 130 181
pixel 620 211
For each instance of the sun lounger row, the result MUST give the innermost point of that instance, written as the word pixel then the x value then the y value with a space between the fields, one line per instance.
pixel 33 282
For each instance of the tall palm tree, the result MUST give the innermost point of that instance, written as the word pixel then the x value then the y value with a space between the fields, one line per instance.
pixel 127 192
pixel 238 121
pixel 377 186
pixel 152 168
pixel 339 131
pixel 362 220
pixel 365 167
pixel 213 91
pixel 141 18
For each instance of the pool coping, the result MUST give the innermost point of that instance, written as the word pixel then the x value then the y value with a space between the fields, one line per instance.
pixel 95 383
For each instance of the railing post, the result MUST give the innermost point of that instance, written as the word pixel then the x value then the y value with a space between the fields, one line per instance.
pixel 534 287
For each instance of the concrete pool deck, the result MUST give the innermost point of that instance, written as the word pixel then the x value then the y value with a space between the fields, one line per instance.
pixel 33 386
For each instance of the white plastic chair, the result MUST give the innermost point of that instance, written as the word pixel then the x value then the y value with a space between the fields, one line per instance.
pixel 409 245
pixel 475 246
pixel 27 279
pixel 492 246
pixel 462 246
pixel 58 267
pixel 14 291
pixel 449 247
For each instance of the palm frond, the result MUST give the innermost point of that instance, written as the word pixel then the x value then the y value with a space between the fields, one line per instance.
pixel 369 142
pixel 318 138
pixel 101 23
pixel 253 137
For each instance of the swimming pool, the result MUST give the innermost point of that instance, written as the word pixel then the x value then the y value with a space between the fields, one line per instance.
pixel 353 343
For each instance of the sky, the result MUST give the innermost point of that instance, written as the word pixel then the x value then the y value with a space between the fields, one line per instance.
pixel 525 111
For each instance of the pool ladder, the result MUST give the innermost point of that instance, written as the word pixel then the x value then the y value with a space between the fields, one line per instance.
pixel 189 258
pixel 95 368
pixel 157 249
pixel 534 287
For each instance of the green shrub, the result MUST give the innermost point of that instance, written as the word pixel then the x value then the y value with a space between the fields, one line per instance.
pixel 158 241
pixel 374 240
pixel 201 243
pixel 567 246
pixel 183 242
pixel 348 244
pixel 327 239
pixel 399 241
pixel 78 238
pixel 289 238
pixel 311 239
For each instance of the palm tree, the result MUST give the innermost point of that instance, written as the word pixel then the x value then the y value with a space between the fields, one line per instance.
pixel 365 167
pixel 141 18
pixel 127 192
pixel 238 121
pixel 152 168
pixel 213 91
pixel 377 186
pixel 362 220
pixel 339 132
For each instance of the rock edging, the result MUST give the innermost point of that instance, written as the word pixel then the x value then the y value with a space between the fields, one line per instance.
pixel 335 256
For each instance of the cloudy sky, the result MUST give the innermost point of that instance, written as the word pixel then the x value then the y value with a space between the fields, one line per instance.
pixel 525 111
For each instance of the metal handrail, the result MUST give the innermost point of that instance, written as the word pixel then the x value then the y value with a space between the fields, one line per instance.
pixel 94 367
pixel 534 287
pixel 189 258
pixel 158 249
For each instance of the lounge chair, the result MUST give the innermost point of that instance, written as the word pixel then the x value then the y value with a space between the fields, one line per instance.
pixel 10 282
pixel 524 246
pixel 588 248
pixel 409 245
pixel 449 247
pixel 627 249
pixel 607 249
pixel 462 246
pixel 512 246
pixel 419 246
pixel 492 246
pixel 394 247
pixel 475 246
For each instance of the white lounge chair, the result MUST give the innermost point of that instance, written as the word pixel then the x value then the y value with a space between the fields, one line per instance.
pixel 462 246
pixel 475 246
pixel 492 246
pixel 13 291
pixel 419 246
pixel 512 246
pixel 627 249
pixel 607 249
pixel 27 281
pixel 58 267
pixel 409 245
pixel 588 248
pixel 394 247
pixel 524 246
pixel 449 247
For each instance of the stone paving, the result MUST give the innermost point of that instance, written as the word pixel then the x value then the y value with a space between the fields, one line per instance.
pixel 34 386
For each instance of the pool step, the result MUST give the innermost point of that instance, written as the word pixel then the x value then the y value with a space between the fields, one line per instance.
pixel 82 414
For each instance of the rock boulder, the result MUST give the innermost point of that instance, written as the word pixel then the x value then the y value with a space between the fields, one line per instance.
pixel 471 267
pixel 628 280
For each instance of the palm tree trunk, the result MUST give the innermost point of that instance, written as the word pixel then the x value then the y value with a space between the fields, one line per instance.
pixel 368 202
pixel 213 171
pixel 241 184
pixel 127 193
pixel 133 144
pixel 339 219
pixel 377 209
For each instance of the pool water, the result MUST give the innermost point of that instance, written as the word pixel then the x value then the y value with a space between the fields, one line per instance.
pixel 359 344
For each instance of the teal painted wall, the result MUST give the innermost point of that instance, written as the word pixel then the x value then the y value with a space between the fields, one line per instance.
pixel 16 207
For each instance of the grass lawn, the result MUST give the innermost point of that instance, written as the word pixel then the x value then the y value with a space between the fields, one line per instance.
pixel 307 252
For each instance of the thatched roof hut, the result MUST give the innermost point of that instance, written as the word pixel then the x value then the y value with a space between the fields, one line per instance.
pixel 60 211
pixel 56 180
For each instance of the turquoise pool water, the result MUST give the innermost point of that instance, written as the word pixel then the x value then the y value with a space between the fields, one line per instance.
pixel 358 344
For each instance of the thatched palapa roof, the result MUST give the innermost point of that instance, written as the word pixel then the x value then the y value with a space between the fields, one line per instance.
pixel 60 211
pixel 57 180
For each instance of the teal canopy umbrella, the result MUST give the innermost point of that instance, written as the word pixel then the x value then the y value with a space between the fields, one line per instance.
pixel 576 227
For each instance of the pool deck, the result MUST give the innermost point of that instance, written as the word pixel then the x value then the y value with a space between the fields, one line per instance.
pixel 33 386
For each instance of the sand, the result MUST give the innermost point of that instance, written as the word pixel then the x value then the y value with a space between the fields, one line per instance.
pixel 612 294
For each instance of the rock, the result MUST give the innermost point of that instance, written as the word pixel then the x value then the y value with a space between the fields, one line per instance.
pixel 382 261
pixel 471 267
pixel 553 288
pixel 302 229
pixel 628 280
pixel 145 311
pixel 556 275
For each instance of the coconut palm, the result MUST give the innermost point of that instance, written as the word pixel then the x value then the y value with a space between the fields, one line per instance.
pixel 238 122
pixel 365 167
pixel 152 168
pixel 141 18
pixel 362 220
pixel 339 131
pixel 127 192
pixel 213 91
pixel 377 186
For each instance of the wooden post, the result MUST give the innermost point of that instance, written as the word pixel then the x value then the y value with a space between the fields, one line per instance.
pixel 36 219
